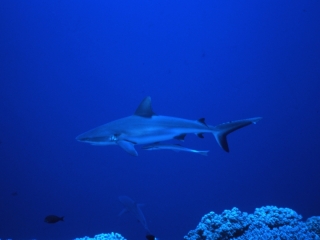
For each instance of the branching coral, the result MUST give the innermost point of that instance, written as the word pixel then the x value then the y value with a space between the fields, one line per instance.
pixel 103 236
pixel 265 223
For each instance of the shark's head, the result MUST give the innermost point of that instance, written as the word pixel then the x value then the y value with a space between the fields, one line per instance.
pixel 95 137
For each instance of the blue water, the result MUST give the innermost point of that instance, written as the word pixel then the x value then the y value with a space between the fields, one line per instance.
pixel 69 66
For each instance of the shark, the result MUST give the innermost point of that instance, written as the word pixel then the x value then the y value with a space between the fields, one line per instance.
pixel 134 208
pixel 147 127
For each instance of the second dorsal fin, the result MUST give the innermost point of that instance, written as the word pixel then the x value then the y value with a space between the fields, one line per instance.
pixel 203 121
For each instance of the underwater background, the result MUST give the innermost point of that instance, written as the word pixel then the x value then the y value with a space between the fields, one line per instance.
pixel 69 66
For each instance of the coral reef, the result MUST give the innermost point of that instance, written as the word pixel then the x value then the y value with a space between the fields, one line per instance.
pixel 267 222
pixel 313 224
pixel 103 236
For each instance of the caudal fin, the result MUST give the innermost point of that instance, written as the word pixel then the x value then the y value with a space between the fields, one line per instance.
pixel 221 131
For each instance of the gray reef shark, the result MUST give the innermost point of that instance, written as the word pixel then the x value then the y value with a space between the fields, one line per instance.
pixel 146 127
pixel 134 208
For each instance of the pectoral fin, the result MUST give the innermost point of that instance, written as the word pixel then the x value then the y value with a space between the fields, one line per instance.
pixel 128 147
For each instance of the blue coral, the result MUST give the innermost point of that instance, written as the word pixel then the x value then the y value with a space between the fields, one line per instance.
pixel 313 224
pixel 267 222
pixel 103 236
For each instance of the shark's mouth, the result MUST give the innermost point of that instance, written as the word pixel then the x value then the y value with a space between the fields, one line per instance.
pixel 92 139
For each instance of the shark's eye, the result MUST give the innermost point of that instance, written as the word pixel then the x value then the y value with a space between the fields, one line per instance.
pixel 113 138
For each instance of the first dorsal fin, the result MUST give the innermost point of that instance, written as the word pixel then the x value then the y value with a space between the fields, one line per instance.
pixel 145 108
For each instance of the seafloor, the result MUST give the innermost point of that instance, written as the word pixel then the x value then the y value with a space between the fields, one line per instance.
pixel 268 222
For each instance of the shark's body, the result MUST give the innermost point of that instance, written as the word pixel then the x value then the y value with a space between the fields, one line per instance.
pixel 174 147
pixel 145 127
pixel 134 208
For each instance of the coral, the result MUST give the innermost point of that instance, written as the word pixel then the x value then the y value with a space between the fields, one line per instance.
pixel 267 222
pixel 313 224
pixel 103 236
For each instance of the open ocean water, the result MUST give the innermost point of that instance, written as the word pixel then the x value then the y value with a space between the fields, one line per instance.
pixel 69 66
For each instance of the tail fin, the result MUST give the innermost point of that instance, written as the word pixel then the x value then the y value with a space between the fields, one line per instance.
pixel 221 131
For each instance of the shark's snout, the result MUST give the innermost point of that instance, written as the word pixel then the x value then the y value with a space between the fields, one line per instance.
pixel 78 138
pixel 94 140
pixel 82 138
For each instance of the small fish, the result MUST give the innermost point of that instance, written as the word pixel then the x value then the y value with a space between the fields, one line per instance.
pixel 151 237
pixel 174 147
pixel 53 219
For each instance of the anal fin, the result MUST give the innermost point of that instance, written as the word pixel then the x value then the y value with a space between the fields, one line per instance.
pixel 200 135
